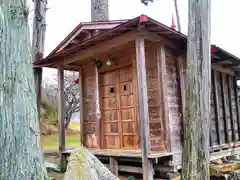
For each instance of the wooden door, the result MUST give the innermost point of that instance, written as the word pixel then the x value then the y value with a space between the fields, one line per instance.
pixel 118 117
pixel 127 108
pixel 110 131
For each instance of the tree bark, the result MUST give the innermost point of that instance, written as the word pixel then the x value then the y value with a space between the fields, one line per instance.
pixel 99 10
pixel 38 39
pixel 20 150
pixel 197 113
pixel 177 15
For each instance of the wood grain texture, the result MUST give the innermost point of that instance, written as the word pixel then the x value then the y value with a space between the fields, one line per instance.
pixel 155 101
pixel 197 117
pixel 143 108
pixel 61 113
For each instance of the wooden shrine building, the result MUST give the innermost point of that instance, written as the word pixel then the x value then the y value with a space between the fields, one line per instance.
pixel 132 79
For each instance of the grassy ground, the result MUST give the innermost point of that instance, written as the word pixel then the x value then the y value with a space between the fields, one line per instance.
pixel 51 142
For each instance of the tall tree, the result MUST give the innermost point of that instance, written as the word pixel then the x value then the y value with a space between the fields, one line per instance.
pixel 20 150
pixel 177 15
pixel 197 113
pixel 99 10
pixel 38 39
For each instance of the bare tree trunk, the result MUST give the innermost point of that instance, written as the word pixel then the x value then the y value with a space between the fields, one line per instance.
pixel 177 15
pixel 99 10
pixel 39 29
pixel 20 150
pixel 197 113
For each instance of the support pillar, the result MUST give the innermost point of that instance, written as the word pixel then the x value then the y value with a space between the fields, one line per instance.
pixel 143 109
pixel 61 117
pixel 81 106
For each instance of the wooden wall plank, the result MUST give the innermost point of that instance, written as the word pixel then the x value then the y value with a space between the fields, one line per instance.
pixel 143 108
pixel 155 101
pixel 234 109
pixel 216 105
pixel 237 104
pixel 230 106
pixel 182 87
pixel 91 118
pixel 224 104
pixel 161 58
pixel 135 84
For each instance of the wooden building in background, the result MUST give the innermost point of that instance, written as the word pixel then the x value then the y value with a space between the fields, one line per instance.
pixel 132 79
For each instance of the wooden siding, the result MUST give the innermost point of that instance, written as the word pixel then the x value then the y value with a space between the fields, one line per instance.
pixel 224 121
pixel 91 124
pixel 173 102
pixel 224 125
pixel 155 102
pixel 166 83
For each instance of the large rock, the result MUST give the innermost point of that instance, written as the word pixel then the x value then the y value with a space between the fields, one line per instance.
pixel 83 165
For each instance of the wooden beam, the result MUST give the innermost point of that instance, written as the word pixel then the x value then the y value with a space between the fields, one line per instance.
pixel 161 63
pixel 181 77
pixel 103 47
pixel 156 38
pixel 223 95
pixel 61 114
pixel 237 104
pixel 81 106
pixel 143 108
pixel 87 27
pixel 229 89
pixel 223 70
pixel 216 105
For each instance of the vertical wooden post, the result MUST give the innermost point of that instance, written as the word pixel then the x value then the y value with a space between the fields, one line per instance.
pixel 182 85
pixel 161 63
pixel 143 109
pixel 98 112
pixel 113 162
pixel 81 106
pixel 229 83
pixel 224 104
pixel 61 117
pixel 216 106
pixel 237 104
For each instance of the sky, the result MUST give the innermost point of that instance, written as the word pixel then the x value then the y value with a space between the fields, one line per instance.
pixel 63 16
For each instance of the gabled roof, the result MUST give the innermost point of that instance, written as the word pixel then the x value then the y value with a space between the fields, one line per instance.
pixel 85 26
pixel 151 24
pixel 177 38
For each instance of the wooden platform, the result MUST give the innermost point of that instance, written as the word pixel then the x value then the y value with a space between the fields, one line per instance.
pixel 127 154
pixel 163 163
